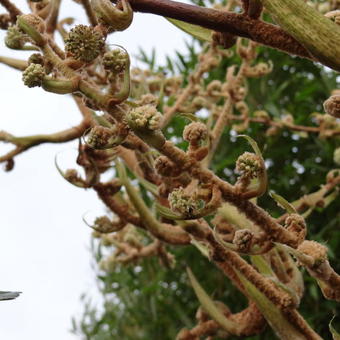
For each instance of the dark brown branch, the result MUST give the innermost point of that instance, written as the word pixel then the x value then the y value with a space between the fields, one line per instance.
pixel 237 24
pixel 12 9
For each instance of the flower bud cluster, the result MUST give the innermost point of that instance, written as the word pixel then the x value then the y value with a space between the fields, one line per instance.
pixel 100 137
pixel 115 60
pixel 144 117
pixel 36 58
pixel 34 21
pixel 148 99
pixel 195 132
pixel 242 239
pixel 15 39
pixel 249 165
pixel 102 224
pixel 84 43
pixel 314 249
pixel 297 225
pixel 182 203
pixel 332 106
pixel 33 75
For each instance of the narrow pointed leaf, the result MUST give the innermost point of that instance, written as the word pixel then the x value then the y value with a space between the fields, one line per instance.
pixel 168 213
pixel 334 327
pixel 196 31
pixel 283 203
pixel 253 145
pixel 148 185
pixel 278 322
pixel 210 307
pixel 201 247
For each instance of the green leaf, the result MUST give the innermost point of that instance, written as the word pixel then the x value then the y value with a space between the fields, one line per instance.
pixel 148 185
pixel 276 319
pixel 210 307
pixel 189 116
pixel 196 31
pixel 334 327
pixel 283 203
pixel 201 247
pixel 253 144
pixel 168 213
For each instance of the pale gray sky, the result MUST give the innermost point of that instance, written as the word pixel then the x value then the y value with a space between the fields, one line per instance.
pixel 43 241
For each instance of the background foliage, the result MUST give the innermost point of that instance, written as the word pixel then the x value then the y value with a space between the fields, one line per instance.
pixel 147 301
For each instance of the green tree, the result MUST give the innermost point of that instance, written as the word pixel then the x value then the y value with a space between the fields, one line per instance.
pixel 170 133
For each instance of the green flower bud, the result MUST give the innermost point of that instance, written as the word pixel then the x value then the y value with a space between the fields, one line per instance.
pixel 33 75
pixel 84 43
pixel 249 165
pixel 15 39
pixel 115 60
pixel 101 137
pixel 182 203
pixel 36 58
pixel 144 117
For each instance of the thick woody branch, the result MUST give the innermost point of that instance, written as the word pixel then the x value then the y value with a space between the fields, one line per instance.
pixel 237 24
pixel 12 9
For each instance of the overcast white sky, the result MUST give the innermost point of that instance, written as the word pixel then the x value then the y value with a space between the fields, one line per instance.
pixel 43 241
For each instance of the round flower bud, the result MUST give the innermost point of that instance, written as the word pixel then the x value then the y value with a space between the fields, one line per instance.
pixel 199 102
pixel 5 21
pixel 296 224
pixel 336 156
pixel 100 137
pixel 314 249
pixel 148 99
pixel 84 43
pixel 242 239
pixel 332 106
pixel 249 165
pixel 144 117
pixel 195 132
pixel 15 39
pixel 102 224
pixel 115 60
pixel 182 203
pixel 35 21
pixel 36 58
pixel 33 75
